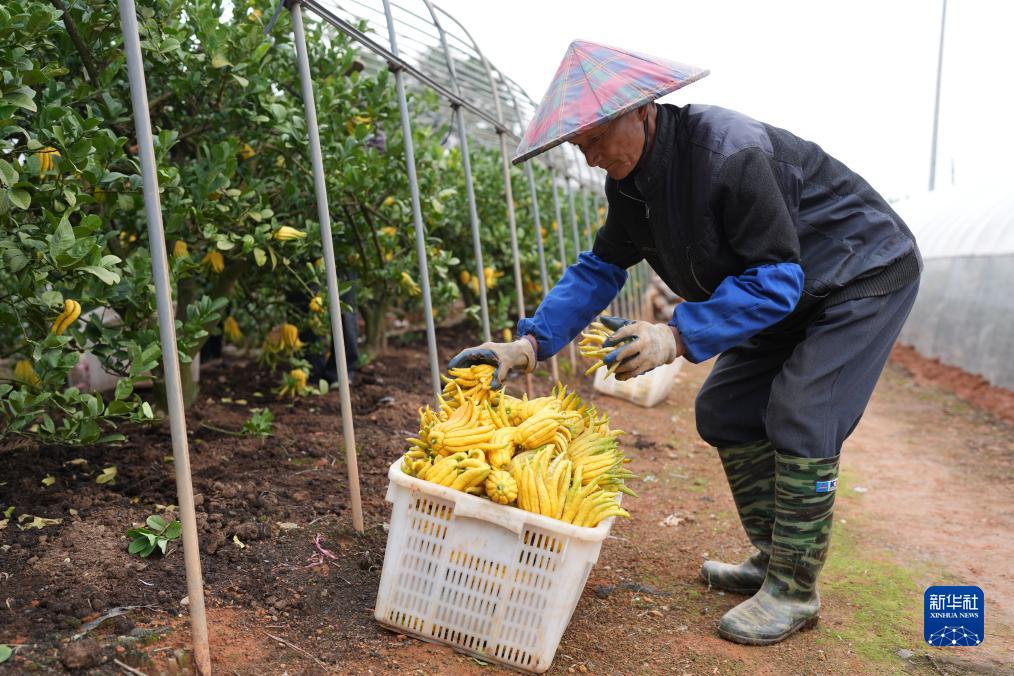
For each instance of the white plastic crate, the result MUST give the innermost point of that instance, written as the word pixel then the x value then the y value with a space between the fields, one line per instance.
pixel 489 580
pixel 645 390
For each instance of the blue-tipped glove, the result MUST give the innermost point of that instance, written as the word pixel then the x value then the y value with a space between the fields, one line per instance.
pixel 644 346
pixel 504 356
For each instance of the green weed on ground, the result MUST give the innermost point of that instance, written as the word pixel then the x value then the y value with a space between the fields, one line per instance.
pixel 885 598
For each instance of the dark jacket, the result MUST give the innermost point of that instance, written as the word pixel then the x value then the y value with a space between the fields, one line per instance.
pixel 720 193
pixel 756 228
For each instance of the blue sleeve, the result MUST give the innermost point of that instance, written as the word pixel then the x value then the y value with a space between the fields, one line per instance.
pixel 585 289
pixel 739 308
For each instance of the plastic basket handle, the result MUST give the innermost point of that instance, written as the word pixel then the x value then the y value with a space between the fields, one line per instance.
pixel 506 517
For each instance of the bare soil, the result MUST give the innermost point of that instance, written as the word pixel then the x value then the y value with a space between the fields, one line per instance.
pixel 924 500
pixel 974 389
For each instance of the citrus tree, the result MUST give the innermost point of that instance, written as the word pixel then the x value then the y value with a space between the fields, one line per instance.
pixel 236 191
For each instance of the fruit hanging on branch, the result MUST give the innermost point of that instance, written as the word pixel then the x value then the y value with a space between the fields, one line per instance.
pixel 25 373
pixel 287 234
pixel 214 261
pixel 71 311
pixel 231 330
pixel 47 159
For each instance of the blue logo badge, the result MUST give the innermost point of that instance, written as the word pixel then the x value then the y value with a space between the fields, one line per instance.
pixel 827 486
pixel 953 616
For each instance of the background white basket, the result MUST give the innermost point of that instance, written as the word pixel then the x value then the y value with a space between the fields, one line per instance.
pixel 646 389
pixel 489 580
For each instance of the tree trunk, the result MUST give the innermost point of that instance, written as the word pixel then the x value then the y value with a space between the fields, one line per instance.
pixel 375 319
pixel 188 384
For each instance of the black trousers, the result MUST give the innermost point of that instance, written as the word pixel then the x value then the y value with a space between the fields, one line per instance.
pixel 804 386
pixel 326 365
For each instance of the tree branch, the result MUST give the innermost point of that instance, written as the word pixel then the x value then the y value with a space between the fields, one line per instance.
pixel 75 37
pixel 359 240
pixel 154 103
pixel 373 231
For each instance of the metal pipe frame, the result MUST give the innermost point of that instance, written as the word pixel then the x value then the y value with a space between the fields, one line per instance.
pixel 397 64
pixel 413 182
pixel 587 217
pixel 473 214
pixel 553 365
pixel 509 196
pixel 167 335
pixel 563 252
pixel 330 267
pixel 544 273
pixel 573 219
pixel 458 101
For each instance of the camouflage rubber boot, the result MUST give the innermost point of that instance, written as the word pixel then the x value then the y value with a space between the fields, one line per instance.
pixel 788 599
pixel 750 469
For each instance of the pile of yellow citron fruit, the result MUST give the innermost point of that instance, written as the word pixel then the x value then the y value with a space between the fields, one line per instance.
pixel 553 455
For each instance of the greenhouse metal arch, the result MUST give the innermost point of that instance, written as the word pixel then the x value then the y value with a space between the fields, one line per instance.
pixel 500 109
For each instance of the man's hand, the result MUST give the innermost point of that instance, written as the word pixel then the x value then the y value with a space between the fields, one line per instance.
pixel 644 346
pixel 504 356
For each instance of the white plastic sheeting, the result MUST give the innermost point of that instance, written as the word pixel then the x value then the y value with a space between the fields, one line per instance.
pixel 964 315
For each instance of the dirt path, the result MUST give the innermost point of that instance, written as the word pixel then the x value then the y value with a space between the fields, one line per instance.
pixel 873 587
pixel 924 499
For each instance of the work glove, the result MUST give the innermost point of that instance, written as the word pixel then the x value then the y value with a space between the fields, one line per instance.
pixel 642 346
pixel 504 356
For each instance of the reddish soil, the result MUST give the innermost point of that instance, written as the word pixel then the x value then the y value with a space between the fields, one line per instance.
pixel 972 388
pixel 278 605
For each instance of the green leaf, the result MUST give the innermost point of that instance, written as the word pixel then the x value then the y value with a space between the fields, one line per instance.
pixel 63 239
pixel 118 407
pixel 15 259
pixel 137 544
pixel 146 409
pixel 48 480
pixel 5 652
pixel 260 257
pixel 22 98
pixel 90 432
pixel 124 388
pixel 107 276
pixel 8 174
pixel 20 198
pixel 156 522
pixel 219 61
pixel 174 530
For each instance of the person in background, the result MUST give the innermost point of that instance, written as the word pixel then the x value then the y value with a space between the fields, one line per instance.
pixel 795 272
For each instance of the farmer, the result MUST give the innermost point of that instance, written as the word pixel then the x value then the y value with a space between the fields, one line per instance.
pixel 796 273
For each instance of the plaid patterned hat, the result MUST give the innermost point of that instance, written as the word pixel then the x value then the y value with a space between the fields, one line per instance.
pixel 594 84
